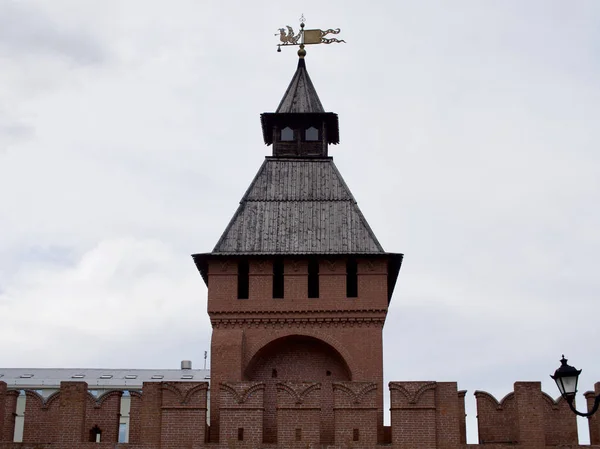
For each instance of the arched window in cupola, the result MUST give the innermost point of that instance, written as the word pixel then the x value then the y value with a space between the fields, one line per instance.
pixel 311 134
pixel 287 134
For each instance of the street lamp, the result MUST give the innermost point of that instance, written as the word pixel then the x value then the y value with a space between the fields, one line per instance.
pixel 566 378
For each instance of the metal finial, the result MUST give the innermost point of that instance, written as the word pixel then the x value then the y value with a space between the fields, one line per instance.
pixel 302 20
pixel 301 52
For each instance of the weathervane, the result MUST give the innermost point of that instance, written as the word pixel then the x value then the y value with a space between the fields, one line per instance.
pixel 306 37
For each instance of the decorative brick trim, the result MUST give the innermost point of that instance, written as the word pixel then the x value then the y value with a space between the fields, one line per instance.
pixel 183 397
pixel 357 394
pixel 287 313
pixel 296 322
pixel 499 405
pixel 412 391
pixel 551 401
pixel 298 391
pixel 241 396
pixel 97 402
pixel 43 403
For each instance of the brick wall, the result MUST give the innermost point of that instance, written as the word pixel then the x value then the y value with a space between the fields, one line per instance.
pixel 372 286
pixel 4 411
pixel 68 416
pixel 462 416
pixel 560 423
pixel 241 414
pixel 496 420
pixel 298 358
pixel 413 414
pixel 41 418
pixel 530 414
pixel 104 413
pixel 350 327
pixel 527 417
pixel 226 366
pixel 8 408
pixel 183 420
pixel 355 409
pixel 135 417
pixel 150 414
pixel 173 415
pixel 594 420
pixel 71 414
pixel 298 414
pixel 447 415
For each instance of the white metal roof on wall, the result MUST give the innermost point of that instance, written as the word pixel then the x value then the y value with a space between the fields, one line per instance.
pixel 39 378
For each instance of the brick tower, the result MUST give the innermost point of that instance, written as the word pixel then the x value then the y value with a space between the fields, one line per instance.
pixel 298 285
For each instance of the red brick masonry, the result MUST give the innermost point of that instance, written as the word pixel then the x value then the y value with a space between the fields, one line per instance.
pixel 173 415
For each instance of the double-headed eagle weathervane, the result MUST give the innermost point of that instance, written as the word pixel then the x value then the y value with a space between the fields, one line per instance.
pixel 305 37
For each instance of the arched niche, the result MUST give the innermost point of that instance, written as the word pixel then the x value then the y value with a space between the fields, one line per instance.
pixel 298 358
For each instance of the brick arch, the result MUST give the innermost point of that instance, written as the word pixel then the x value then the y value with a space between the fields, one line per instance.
pixel 324 338
pixel 297 357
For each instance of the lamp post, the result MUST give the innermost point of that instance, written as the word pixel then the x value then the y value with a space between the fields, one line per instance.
pixel 566 378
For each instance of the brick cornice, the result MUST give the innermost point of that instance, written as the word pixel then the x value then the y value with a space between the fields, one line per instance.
pixel 298 322
pixel 257 313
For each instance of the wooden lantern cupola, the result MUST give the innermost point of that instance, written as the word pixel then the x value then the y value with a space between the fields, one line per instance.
pixel 300 127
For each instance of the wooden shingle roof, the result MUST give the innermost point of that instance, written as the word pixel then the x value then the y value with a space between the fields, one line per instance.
pixel 300 96
pixel 298 206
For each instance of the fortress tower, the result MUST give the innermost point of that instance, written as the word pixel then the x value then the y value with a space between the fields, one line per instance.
pixel 298 292
pixel 298 285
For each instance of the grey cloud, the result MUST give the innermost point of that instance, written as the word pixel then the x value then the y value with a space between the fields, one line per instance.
pixel 12 133
pixel 469 139
pixel 27 32
pixel 16 130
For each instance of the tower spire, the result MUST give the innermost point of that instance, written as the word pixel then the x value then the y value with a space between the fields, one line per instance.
pixel 301 95
pixel 300 127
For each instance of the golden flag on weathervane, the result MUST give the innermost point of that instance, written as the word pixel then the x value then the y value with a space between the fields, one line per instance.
pixel 305 37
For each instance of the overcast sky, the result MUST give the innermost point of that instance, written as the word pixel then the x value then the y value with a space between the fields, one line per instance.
pixel 129 131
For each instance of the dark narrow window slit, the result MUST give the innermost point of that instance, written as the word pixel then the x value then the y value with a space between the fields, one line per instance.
pixel 278 278
pixel 351 279
pixel 313 278
pixel 243 280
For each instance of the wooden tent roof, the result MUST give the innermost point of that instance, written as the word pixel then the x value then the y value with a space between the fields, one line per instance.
pixel 300 96
pixel 298 206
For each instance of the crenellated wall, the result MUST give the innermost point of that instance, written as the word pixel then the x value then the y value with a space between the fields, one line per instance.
pixel 594 420
pixel 104 413
pixel 355 412
pixel 298 414
pixel 183 414
pixel 135 417
pixel 242 406
pixel 172 415
pixel 8 409
pixel 42 416
pixel 496 420
pixel 425 414
pixel 525 416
